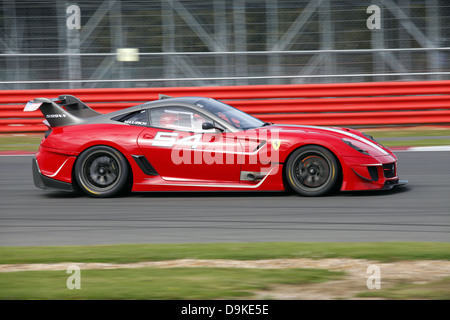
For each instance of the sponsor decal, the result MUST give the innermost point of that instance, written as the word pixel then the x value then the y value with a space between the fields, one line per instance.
pixel 276 144
pixel 52 116
pixel 135 122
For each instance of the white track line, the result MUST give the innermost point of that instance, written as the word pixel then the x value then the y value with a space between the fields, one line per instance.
pixel 424 149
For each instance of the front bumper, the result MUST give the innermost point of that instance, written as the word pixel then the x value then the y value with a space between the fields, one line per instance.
pixel 44 182
pixel 370 173
pixel 390 184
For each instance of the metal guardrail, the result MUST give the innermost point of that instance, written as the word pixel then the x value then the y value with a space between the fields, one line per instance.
pixel 350 104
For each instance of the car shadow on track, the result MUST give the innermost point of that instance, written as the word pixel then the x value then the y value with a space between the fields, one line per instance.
pixel 174 194
pixel 376 193
pixel 227 194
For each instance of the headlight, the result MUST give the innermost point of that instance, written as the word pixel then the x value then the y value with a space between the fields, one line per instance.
pixel 349 143
pixel 368 136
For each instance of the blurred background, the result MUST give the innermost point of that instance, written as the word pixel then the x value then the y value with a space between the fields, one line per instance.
pixel 378 64
pixel 218 42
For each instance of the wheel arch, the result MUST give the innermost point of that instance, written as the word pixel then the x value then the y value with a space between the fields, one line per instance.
pixel 129 182
pixel 332 150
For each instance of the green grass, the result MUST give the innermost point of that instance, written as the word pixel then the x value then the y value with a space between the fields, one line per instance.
pixel 437 290
pixel 380 251
pixel 408 133
pixel 154 283
pixel 417 143
pixel 22 143
pixel 202 282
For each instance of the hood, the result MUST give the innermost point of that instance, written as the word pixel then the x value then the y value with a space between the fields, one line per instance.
pixel 348 136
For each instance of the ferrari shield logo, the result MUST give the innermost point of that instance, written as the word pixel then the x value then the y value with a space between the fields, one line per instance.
pixel 276 144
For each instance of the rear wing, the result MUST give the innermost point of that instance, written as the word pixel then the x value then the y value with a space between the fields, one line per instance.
pixel 62 111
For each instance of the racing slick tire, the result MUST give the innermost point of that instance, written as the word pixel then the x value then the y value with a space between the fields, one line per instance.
pixel 312 171
pixel 101 171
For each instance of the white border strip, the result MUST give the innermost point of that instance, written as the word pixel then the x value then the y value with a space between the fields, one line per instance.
pixel 18 155
pixel 207 185
pixel 424 149
pixel 57 171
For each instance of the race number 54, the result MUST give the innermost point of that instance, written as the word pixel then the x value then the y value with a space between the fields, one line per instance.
pixel 169 139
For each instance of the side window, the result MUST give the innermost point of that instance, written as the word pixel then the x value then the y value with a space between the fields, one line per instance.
pixel 178 118
pixel 233 121
pixel 137 118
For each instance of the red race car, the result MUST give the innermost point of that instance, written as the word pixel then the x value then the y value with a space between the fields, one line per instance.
pixel 200 144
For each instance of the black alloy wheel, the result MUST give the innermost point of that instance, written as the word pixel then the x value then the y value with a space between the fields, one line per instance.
pixel 312 171
pixel 101 171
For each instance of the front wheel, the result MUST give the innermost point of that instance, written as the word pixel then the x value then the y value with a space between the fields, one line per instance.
pixel 312 171
pixel 101 171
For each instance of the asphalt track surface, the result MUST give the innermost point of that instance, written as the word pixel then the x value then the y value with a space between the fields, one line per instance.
pixel 418 212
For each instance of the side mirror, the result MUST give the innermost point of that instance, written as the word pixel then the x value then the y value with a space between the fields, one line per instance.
pixel 209 126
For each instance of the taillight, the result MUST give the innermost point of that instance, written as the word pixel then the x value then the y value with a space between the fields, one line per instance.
pixel 49 129
pixel 47 133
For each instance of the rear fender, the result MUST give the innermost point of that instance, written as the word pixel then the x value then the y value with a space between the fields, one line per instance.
pixel 55 164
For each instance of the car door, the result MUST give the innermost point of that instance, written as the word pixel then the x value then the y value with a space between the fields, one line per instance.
pixel 180 150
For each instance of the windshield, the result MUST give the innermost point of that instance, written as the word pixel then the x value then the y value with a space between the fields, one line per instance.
pixel 233 116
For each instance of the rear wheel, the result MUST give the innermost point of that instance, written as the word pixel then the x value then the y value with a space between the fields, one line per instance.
pixel 101 171
pixel 312 171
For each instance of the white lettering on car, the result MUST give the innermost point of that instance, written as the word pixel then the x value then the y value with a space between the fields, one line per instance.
pixel 169 139
pixel 58 115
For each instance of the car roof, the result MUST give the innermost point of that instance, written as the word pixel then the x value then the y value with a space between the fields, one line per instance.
pixel 164 102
